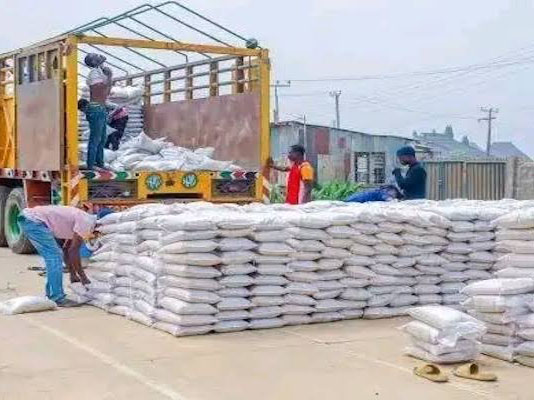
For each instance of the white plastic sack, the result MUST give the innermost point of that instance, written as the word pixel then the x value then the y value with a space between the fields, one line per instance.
pixel 26 304
pixel 500 287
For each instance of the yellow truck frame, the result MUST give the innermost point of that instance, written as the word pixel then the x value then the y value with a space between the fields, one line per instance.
pixel 28 76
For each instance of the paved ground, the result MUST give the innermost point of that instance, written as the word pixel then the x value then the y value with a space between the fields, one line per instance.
pixel 87 354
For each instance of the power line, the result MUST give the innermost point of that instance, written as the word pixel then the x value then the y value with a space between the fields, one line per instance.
pixel 411 110
pixel 450 70
pixel 452 89
pixel 309 94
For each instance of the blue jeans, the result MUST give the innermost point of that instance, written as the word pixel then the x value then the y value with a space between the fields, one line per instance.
pixel 44 242
pixel 97 117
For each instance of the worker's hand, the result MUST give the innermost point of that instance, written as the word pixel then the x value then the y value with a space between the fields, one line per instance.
pixel 74 278
pixel 85 280
pixel 107 71
pixel 396 171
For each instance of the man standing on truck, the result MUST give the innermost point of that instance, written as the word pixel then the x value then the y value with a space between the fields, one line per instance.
pixel 42 225
pixel 413 184
pixel 299 178
pixel 117 119
pixel 99 82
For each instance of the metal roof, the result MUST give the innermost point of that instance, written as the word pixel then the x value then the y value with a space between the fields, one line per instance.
pixel 343 130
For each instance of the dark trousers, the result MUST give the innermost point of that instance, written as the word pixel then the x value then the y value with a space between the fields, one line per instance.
pixel 114 138
pixel 96 115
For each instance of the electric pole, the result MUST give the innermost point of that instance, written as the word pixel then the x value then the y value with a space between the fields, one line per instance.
pixel 489 118
pixel 335 94
pixel 276 85
pixel 302 118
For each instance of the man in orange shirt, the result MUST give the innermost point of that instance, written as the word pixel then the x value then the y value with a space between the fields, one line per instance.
pixel 299 178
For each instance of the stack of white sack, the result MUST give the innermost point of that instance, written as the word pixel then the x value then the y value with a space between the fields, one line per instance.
pixel 261 266
pixel 515 239
pixel 443 335
pixel 145 154
pixel 119 94
pixel 134 126
pixel 395 258
pixel 505 307
pixel 315 278
pixel 472 252
pixel 236 273
pixel 130 97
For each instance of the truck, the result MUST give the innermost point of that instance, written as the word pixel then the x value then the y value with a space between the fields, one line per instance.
pixel 207 92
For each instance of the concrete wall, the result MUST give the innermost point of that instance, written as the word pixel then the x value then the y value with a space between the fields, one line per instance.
pixel 519 179
pixel 331 151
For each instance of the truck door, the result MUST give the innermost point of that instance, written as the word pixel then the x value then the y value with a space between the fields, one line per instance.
pixel 39 109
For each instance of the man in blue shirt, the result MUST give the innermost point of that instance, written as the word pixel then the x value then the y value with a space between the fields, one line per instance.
pixel 383 193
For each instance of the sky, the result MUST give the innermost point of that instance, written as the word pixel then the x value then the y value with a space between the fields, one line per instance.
pixel 433 63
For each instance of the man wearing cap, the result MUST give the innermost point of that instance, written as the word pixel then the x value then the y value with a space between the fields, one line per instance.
pixel 99 81
pixel 413 184
pixel 43 225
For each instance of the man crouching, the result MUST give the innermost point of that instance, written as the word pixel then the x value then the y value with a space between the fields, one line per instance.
pixel 42 225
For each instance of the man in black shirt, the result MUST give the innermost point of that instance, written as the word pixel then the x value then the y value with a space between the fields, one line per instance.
pixel 413 185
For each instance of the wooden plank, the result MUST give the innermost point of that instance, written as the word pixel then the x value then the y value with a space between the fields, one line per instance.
pixel 163 45
pixel 167 87
pixel 189 83
pixel 238 75
pixel 214 79
pixel 148 90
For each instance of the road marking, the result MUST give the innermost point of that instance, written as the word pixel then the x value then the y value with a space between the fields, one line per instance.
pixel 120 367
pixel 456 385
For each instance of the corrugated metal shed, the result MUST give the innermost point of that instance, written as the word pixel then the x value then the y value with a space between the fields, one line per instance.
pixel 332 152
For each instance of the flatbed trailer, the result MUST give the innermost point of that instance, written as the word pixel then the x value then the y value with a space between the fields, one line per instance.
pixel 216 95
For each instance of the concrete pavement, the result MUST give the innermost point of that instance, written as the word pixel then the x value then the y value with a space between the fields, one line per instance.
pixel 85 353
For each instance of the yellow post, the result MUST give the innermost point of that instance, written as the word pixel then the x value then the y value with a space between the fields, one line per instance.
pixel 71 103
pixel 265 125
pixel 70 176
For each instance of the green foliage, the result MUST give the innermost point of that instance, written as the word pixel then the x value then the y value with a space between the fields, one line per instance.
pixel 335 190
pixel 277 194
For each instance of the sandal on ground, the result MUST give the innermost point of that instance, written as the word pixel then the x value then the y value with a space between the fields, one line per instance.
pixel 430 372
pixel 472 371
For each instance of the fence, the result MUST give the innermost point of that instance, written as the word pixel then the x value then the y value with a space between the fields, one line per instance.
pixel 477 180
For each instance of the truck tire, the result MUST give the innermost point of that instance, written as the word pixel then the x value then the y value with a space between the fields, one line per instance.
pixel 4 192
pixel 16 240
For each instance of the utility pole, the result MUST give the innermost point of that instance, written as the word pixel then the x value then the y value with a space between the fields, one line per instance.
pixel 276 85
pixel 489 118
pixel 302 118
pixel 335 94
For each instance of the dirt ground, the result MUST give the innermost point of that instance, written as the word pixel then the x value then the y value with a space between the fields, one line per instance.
pixel 85 353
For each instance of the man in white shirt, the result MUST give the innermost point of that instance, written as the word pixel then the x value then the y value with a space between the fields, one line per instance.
pixel 99 82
